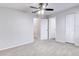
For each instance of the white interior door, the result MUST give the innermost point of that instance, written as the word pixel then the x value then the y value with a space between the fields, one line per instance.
pixel 70 28
pixel 44 29
pixel 52 27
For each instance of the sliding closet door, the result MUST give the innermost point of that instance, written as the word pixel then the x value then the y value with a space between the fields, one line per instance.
pixel 44 29
pixel 70 28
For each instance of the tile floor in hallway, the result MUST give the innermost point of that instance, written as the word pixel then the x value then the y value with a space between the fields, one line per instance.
pixel 43 48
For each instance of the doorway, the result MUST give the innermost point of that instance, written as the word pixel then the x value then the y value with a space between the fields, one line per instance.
pixel 52 27
pixel 44 29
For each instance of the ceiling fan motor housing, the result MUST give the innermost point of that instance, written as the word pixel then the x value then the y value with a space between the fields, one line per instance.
pixel 43 4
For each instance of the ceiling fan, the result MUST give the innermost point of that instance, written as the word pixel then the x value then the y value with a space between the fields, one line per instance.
pixel 41 6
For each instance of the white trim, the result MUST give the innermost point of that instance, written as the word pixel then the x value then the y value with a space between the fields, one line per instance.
pixel 13 46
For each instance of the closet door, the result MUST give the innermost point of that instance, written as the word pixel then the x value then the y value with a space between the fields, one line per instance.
pixel 76 29
pixel 70 28
pixel 44 29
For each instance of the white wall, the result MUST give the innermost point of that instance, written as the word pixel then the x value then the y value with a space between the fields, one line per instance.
pixel 52 27
pixel 60 28
pixel 16 28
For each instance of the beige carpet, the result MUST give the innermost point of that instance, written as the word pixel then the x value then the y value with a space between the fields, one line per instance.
pixel 43 48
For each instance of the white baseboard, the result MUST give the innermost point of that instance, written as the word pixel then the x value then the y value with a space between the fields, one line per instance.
pixel 13 46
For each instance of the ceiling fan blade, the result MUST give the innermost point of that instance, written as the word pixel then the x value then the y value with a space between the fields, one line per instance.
pixel 33 7
pixel 35 11
pixel 48 9
pixel 46 4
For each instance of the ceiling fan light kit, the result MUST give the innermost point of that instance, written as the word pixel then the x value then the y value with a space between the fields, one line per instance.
pixel 40 12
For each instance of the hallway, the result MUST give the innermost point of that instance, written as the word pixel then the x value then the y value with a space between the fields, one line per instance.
pixel 43 48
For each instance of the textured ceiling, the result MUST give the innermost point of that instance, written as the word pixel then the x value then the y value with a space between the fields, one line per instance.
pixel 25 6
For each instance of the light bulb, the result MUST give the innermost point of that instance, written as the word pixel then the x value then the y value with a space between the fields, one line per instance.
pixel 42 12
pixel 39 12
pixel 44 6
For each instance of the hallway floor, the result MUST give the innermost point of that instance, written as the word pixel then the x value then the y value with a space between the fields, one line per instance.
pixel 43 48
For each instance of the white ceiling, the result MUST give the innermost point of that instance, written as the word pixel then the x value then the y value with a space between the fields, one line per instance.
pixel 25 6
